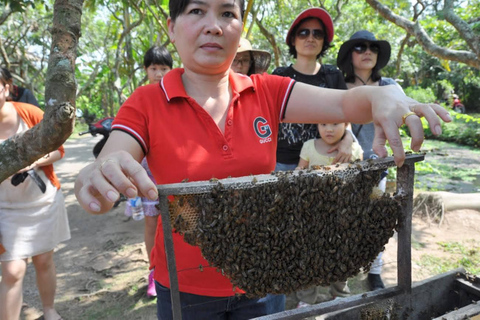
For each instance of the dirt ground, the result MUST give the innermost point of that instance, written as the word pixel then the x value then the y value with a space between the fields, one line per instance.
pixel 102 270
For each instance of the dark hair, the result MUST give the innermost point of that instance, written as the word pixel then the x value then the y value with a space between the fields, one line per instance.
pixel 326 43
pixel 15 91
pixel 177 7
pixel 6 77
pixel 349 72
pixel 157 55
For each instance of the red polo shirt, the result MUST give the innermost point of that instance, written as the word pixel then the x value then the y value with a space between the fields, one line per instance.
pixel 181 141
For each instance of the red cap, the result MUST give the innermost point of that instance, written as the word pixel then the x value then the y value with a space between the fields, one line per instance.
pixel 318 13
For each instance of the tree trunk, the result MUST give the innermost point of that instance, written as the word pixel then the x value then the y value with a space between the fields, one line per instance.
pixel 433 205
pixel 454 201
pixel 23 149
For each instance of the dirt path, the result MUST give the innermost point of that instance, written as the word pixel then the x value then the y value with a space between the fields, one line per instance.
pixel 102 270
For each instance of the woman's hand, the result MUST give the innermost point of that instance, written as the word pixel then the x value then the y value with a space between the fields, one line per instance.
pixel 391 109
pixel 99 184
pixel 343 148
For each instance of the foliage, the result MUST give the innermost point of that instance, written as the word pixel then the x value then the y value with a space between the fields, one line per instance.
pixel 420 94
pixel 116 34
pixel 25 46
pixel 21 5
pixel 464 129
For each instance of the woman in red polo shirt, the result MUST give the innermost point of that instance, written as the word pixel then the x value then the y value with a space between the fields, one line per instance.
pixel 205 121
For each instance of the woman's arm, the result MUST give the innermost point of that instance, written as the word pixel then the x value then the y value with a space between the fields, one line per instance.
pixel 117 169
pixel 386 106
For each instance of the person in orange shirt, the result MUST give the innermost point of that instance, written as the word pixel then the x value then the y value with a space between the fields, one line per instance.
pixel 33 218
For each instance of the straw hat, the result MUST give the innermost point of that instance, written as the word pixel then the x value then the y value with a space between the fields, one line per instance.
pixel 343 58
pixel 261 58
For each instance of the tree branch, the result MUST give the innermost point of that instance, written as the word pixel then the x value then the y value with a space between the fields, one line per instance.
pixel 271 39
pixel 416 30
pixel 23 149
pixel 462 27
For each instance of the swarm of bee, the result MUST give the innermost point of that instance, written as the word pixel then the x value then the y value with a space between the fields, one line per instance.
pixel 302 230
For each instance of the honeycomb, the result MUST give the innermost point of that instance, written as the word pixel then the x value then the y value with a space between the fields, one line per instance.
pixel 293 231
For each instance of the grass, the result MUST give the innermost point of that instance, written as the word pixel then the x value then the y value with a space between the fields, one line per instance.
pixel 417 245
pixel 435 172
pixel 466 255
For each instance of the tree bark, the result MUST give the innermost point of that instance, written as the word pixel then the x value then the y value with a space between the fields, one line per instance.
pixel 433 205
pixel 23 149
pixel 454 201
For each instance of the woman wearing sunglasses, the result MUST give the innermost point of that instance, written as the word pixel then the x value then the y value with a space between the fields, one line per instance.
pixel 308 39
pixel 361 58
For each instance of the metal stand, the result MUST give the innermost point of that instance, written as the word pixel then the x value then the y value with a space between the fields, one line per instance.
pixel 172 267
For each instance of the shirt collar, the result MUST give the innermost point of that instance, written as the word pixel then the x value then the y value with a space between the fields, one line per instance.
pixel 172 85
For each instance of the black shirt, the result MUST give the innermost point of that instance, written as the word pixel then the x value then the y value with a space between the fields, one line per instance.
pixel 291 136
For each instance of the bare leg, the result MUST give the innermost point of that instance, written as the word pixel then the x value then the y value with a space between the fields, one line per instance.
pixel 11 295
pixel 150 229
pixel 47 283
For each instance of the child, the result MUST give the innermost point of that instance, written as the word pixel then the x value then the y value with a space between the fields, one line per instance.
pixel 315 151
pixel 156 63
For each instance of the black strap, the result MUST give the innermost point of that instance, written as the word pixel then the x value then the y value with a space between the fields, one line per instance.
pixel 358 130
pixel 20 177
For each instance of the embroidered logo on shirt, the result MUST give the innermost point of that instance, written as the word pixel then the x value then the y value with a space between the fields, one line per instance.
pixel 262 129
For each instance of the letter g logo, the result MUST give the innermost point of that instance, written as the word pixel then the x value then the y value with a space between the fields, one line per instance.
pixel 261 127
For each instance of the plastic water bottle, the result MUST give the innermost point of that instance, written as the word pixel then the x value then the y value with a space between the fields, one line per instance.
pixel 137 208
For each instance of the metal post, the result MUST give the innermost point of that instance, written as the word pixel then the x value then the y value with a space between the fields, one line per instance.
pixel 405 185
pixel 172 267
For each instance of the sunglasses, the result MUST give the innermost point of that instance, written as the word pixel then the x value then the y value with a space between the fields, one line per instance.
pixel 243 62
pixel 305 33
pixel 362 47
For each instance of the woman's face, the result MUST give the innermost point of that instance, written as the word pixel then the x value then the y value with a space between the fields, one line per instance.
pixel 207 34
pixel 366 60
pixel 242 62
pixel 309 38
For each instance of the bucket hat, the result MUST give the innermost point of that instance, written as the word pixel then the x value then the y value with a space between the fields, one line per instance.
pixel 359 37
pixel 261 58
pixel 318 13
